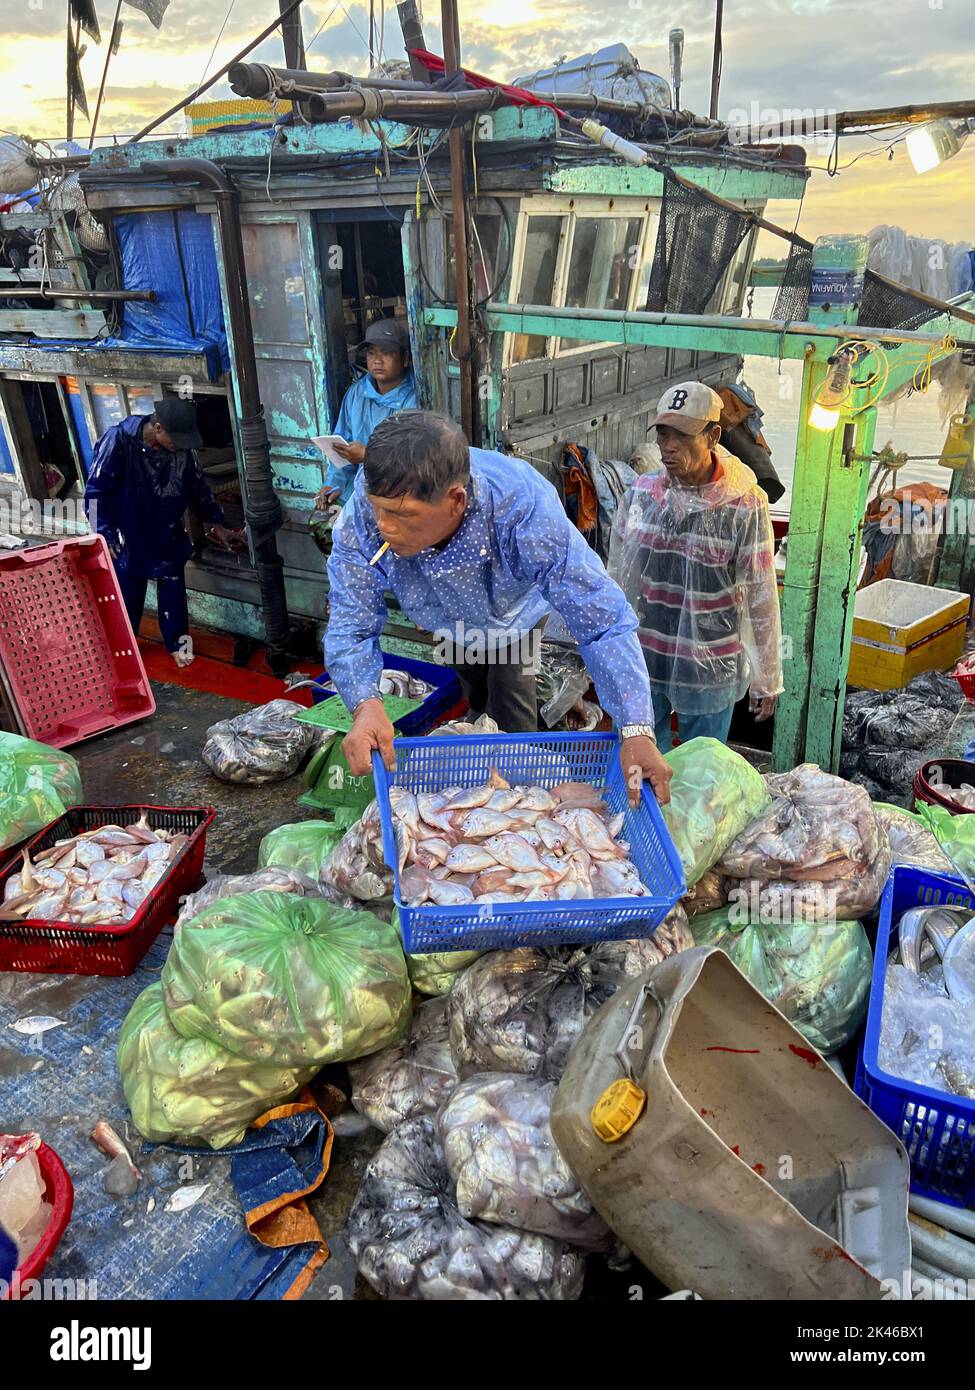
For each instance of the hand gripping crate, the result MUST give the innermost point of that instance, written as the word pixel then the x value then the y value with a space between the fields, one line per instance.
pixel 70 662
pixel 936 1127
pixel 543 760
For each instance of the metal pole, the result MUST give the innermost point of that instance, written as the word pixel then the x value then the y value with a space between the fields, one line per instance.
pixel 69 74
pixel 470 424
pixel 291 33
pixel 716 63
pixel 101 87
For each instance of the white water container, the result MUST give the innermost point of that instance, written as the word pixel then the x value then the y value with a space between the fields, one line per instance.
pixel 753 1171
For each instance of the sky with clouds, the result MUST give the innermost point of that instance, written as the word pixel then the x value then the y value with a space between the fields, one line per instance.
pixel 819 54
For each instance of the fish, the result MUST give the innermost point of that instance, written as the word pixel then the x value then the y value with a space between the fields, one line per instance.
pixel 449 894
pixel 112 1145
pixel 432 850
pixel 553 835
pixel 471 797
pixel 405 808
pixel 533 879
pixel 470 858
pixel 35 1024
pixel 504 800
pixel 49 907
pixel 577 793
pixel 431 807
pixel 498 782
pixel 479 823
pixel 491 881
pixel 132 868
pixel 88 853
pixel 537 799
pixel 513 852
pixel 414 885
pixel 590 831
pixel 185 1197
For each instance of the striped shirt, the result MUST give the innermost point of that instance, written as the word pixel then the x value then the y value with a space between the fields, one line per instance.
pixel 697 565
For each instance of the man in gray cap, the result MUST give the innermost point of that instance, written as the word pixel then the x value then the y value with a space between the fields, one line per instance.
pixel 693 551
pixel 144 475
pixel 388 386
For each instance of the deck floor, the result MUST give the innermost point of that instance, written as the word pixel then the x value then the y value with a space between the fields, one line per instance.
pixel 158 762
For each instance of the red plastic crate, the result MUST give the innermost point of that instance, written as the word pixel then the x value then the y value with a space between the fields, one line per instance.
pixel 71 663
pixel 64 948
pixel 59 1191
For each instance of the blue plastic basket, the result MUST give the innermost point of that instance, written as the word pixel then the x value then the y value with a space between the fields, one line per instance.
pixel 446 694
pixel 540 760
pixel 936 1127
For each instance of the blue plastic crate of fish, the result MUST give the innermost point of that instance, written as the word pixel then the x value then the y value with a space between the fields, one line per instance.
pixel 936 1127
pixel 532 760
pixel 446 693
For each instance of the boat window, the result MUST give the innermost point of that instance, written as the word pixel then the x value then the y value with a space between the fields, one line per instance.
pixel 106 406
pixel 730 289
pixel 275 282
pixel 140 400
pixel 606 255
pixel 489 265
pixel 542 240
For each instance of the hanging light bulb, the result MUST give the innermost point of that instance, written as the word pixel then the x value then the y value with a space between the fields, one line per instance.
pixel 825 412
pixel 931 144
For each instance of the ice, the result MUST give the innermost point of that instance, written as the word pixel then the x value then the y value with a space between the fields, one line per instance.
pixel 32 1232
pixel 923 1032
pixel 21 1194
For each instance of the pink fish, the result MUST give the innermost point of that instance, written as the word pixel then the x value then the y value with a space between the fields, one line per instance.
pixel 514 852
pixel 470 859
pixel 590 831
pixel 478 824
pixel 471 797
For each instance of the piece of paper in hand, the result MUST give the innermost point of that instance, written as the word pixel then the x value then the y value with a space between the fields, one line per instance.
pixel 327 442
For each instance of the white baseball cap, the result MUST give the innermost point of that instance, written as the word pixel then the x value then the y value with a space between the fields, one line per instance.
pixel 688 407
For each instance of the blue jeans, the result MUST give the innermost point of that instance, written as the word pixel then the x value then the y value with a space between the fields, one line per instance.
pixel 689 725
pixel 171 610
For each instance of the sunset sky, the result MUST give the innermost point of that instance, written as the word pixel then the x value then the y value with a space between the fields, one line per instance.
pixel 822 54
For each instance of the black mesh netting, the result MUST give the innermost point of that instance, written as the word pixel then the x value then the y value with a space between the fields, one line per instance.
pixel 792 300
pixel 883 306
pixel 695 242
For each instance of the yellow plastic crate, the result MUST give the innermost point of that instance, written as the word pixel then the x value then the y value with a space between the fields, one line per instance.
pixel 901 629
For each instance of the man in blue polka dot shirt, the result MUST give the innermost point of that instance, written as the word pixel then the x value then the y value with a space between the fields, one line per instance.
pixel 476 545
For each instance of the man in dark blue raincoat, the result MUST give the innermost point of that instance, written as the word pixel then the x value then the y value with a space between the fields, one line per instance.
pixel 144 475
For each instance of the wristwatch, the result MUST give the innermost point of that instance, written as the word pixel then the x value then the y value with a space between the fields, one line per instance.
pixel 638 731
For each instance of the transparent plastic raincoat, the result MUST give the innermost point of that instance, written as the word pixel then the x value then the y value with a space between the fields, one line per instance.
pixel 697 566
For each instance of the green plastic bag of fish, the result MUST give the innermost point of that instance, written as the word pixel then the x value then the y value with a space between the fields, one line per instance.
pixel 714 793
pixel 304 845
pixel 288 981
pixel 37 785
pixel 815 973
pixel 437 972
pixel 189 1089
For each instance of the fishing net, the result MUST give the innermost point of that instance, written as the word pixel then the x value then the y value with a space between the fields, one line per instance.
pixel 884 306
pixel 696 241
pixel 792 300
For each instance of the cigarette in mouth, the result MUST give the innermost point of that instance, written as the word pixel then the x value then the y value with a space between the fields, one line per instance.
pixel 381 551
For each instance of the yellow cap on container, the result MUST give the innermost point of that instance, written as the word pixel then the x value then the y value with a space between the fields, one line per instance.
pixel 617 1110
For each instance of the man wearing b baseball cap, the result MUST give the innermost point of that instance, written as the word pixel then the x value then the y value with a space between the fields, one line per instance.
pixel 693 551
pixel 388 386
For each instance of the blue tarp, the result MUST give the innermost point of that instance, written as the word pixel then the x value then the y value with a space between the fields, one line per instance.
pixel 61 1082
pixel 172 253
